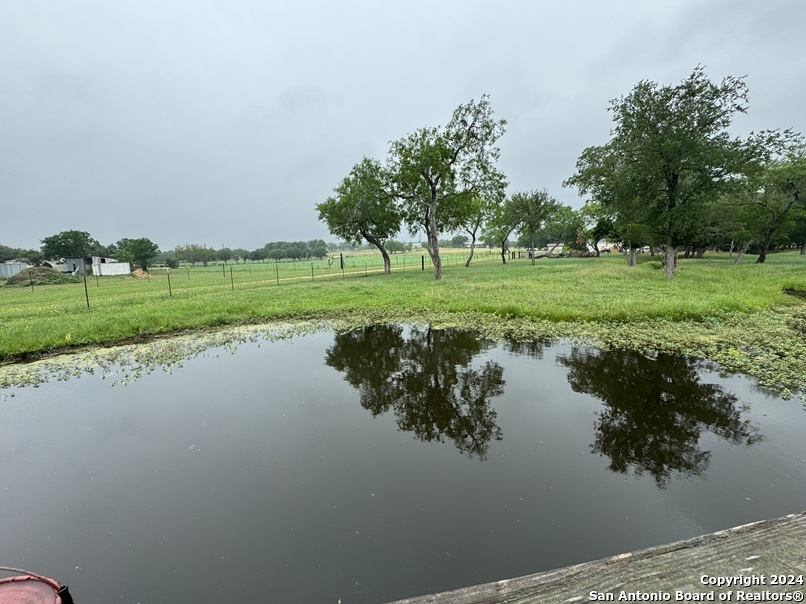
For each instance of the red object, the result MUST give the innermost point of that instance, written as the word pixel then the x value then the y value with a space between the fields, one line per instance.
pixel 31 589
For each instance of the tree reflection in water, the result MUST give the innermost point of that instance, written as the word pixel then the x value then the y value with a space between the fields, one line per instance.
pixel 426 379
pixel 655 411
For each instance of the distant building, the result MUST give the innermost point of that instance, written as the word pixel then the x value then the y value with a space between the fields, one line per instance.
pixel 9 269
pixel 604 246
pixel 100 265
pixel 109 266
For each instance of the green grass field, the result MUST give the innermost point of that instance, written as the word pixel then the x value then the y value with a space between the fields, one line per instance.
pixel 712 308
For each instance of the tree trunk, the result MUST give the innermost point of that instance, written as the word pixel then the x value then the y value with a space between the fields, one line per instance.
pixel 765 245
pixel 671 259
pixel 803 248
pixel 472 248
pixel 762 255
pixel 632 259
pixel 433 242
pixel 699 252
pixel 387 265
pixel 740 253
pixel 504 251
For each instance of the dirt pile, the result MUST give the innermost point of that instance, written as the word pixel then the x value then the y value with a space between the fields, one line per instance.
pixel 41 275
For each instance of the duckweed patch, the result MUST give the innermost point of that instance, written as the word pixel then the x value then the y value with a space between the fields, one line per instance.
pixel 768 345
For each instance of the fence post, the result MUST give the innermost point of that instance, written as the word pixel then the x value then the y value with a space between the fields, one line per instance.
pixel 187 267
pixel 231 280
pixel 422 261
pixel 168 271
pixel 224 270
pixel 311 271
pixel 277 273
pixel 86 293
pixel 341 260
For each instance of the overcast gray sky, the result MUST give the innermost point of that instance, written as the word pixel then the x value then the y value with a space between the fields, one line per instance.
pixel 224 122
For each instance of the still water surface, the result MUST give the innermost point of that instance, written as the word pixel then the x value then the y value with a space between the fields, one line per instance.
pixel 379 464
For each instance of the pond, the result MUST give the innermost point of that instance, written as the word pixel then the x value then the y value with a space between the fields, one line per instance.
pixel 381 463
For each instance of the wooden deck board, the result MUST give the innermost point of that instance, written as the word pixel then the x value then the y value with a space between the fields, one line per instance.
pixel 762 549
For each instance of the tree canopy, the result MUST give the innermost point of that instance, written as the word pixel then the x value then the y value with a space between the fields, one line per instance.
pixel 363 208
pixel 532 210
pixel 433 180
pixel 671 152
pixel 69 244
pixel 140 253
pixel 437 172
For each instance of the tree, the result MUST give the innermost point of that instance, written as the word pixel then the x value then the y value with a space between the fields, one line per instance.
pixel 601 173
pixel 479 211
pixel 258 254
pixel 7 253
pixel 670 149
pixel 532 210
pixel 224 254
pixel 505 219
pixel 595 225
pixel 193 253
pixel 781 190
pixel 394 246
pixel 69 244
pixel 276 254
pixel 363 208
pixel 797 232
pixel 140 253
pixel 437 172
pixel 33 257
pixel 564 225
pixel 459 240
pixel 317 248
pixel 241 254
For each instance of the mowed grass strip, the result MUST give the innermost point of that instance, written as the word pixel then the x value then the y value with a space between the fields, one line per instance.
pixel 585 290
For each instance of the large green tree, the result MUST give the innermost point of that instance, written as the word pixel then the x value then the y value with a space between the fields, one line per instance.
pixel 782 188
pixel 532 210
pixel 8 253
pixel 363 208
pixel 69 244
pixel 670 150
pixel 437 172
pixel 139 253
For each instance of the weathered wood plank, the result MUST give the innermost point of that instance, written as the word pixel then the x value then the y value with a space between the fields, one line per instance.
pixel 760 550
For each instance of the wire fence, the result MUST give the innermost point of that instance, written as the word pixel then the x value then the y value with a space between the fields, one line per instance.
pixel 187 280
